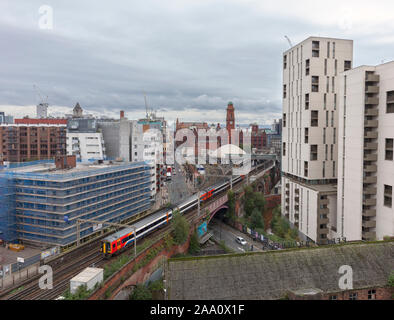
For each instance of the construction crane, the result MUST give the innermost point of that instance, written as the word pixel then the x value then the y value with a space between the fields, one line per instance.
pixel 146 105
pixel 40 95
pixel 288 40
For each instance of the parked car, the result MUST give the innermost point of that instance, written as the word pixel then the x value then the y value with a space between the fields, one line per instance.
pixel 241 241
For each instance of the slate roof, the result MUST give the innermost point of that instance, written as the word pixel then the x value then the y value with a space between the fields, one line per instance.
pixel 270 275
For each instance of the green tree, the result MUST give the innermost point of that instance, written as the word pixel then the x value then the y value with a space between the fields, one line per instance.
pixel 259 201
pixel 194 246
pixel 140 292
pixel 391 279
pixel 256 219
pixel 181 227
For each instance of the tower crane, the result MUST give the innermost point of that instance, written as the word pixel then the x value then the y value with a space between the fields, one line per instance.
pixel 40 95
pixel 288 40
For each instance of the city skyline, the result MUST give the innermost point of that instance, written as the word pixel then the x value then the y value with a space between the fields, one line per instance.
pixel 122 55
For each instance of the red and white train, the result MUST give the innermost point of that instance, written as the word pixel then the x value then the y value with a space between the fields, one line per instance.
pixel 119 241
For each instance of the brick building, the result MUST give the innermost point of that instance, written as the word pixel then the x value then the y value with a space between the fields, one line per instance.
pixel 27 142
pixel 258 137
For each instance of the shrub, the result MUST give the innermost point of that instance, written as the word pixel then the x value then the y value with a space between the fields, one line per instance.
pixel 181 228
pixel 140 292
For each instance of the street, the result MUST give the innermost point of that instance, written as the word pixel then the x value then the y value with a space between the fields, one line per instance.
pixel 177 188
pixel 223 232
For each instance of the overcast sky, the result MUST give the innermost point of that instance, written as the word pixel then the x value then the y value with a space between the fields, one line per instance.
pixel 190 56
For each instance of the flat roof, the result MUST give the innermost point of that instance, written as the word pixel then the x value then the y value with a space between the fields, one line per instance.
pixel 87 274
pixel 47 170
pixel 315 37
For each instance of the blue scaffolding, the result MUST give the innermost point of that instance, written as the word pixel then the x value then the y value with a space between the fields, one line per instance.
pixel 46 206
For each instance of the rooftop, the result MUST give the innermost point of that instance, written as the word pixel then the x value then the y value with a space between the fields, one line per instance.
pixel 45 170
pixel 272 274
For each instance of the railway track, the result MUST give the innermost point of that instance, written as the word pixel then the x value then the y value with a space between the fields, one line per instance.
pixel 68 266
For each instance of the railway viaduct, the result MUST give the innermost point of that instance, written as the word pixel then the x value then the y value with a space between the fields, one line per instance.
pixel 115 284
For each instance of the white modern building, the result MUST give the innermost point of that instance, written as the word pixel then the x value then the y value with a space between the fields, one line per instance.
pixel 309 133
pixel 86 145
pixel 365 153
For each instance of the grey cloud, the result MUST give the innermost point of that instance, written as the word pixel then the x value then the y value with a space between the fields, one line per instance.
pixel 185 55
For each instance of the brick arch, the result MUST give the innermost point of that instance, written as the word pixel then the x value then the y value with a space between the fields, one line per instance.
pixel 216 211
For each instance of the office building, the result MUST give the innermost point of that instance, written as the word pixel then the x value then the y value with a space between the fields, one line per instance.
pixel 84 140
pixel 28 142
pixel 43 201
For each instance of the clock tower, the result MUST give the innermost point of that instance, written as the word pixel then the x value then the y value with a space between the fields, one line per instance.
pixel 230 119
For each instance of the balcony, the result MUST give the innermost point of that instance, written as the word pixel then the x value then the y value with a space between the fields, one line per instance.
pixel 371 135
pixel 371 101
pixel 372 77
pixel 370 179
pixel 369 213
pixel 369 202
pixel 323 211
pixel 370 168
pixel 372 112
pixel 323 221
pixel 287 185
pixel 287 192
pixel 323 231
pixel 371 123
pixel 297 191
pixel 324 202
pixel 287 200
pixel 371 146
pixel 371 190
pixel 287 208
pixel 369 235
pixel 297 207
pixel 369 224
pixel 371 157
pixel 371 89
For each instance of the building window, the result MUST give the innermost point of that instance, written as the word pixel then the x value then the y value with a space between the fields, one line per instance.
pixel 306 101
pixel 307 67
pixel 284 61
pixel 284 120
pixel 336 67
pixel 333 297
pixel 353 296
pixel 306 169
pixel 372 294
pixel 284 91
pixel 333 50
pixel 390 102
pixel 325 101
pixel 333 168
pixel 389 149
pixel 284 148
pixel 325 67
pixel 348 65
pixel 328 49
pixel 315 49
pixel 313 154
pixel 314 118
pixel 315 83
pixel 306 135
pixel 388 194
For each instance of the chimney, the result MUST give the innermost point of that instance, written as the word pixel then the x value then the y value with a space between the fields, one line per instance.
pixel 122 114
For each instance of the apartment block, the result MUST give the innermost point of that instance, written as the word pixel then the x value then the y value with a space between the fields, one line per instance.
pixel 311 71
pixel 84 140
pixel 28 142
pixel 41 202
pixel 365 153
